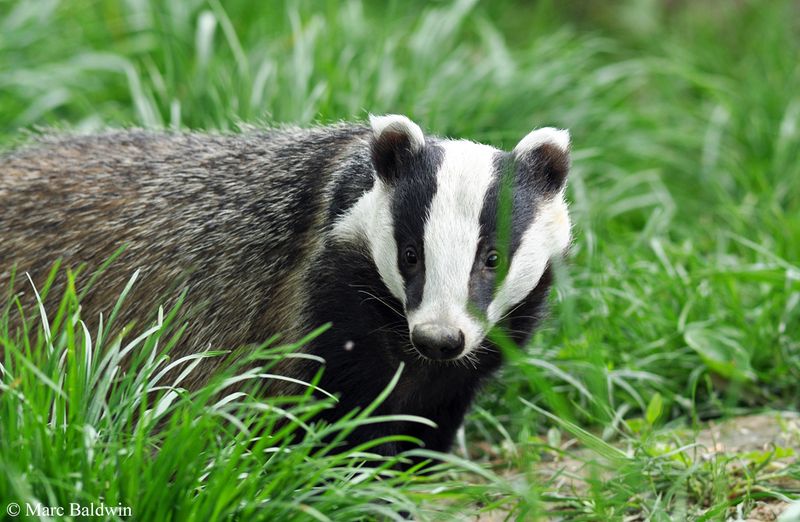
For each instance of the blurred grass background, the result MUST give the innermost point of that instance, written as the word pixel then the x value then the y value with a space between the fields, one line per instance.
pixel 681 301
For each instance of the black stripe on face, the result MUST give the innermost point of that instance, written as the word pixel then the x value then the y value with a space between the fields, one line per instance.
pixel 509 208
pixel 413 193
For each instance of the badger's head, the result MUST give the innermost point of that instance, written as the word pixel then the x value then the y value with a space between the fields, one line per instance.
pixel 461 233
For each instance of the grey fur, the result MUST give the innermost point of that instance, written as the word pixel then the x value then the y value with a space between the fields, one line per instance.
pixel 227 217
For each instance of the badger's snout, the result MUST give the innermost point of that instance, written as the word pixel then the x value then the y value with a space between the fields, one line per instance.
pixel 438 341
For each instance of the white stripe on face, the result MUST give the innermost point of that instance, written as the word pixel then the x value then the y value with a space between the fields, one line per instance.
pixel 452 233
pixel 370 219
pixel 545 238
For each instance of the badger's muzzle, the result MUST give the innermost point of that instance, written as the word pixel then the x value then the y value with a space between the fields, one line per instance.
pixel 438 341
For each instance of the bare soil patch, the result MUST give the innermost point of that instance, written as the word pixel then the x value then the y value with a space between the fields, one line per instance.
pixel 750 450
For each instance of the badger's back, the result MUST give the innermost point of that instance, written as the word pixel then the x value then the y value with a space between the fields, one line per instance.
pixel 233 219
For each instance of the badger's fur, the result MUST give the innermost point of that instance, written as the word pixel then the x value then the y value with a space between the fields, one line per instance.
pixel 390 235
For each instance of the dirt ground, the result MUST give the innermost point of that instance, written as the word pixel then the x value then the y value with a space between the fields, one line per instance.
pixel 729 445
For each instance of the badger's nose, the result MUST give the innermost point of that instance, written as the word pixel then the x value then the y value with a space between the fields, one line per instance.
pixel 437 341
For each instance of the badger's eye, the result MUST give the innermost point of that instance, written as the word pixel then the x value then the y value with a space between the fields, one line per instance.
pixel 493 259
pixel 410 256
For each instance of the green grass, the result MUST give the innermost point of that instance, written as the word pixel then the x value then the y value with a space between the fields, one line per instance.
pixel 78 426
pixel 680 302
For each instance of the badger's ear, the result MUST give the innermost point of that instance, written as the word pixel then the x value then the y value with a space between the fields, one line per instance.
pixel 395 141
pixel 544 154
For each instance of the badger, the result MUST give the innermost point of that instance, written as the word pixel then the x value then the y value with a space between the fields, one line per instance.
pixel 402 241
